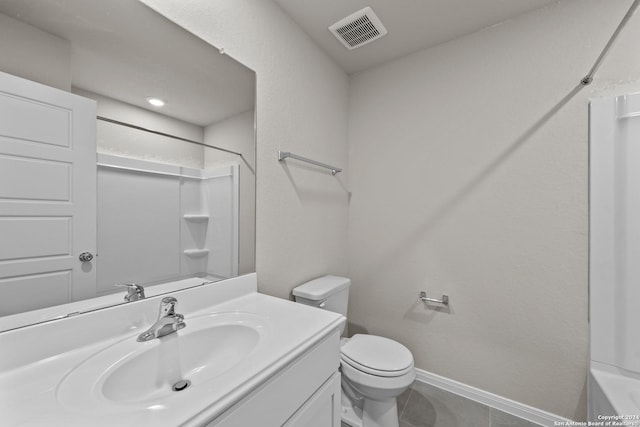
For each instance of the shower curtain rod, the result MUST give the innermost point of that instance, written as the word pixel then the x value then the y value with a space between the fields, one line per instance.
pixel 168 135
pixel 589 77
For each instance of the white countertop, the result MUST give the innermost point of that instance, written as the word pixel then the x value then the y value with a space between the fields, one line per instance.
pixel 34 360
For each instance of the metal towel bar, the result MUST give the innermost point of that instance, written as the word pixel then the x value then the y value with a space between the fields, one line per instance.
pixel 284 154
pixel 424 298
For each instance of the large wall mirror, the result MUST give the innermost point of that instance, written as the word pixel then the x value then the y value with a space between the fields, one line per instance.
pixel 171 188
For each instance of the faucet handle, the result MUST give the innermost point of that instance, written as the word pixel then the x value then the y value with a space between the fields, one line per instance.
pixel 167 307
pixel 134 292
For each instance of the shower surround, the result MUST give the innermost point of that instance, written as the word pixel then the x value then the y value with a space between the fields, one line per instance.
pixel 614 383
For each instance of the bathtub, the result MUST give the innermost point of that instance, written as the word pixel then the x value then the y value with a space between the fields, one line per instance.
pixel 614 395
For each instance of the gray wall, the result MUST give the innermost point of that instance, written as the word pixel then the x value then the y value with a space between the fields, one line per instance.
pixel 301 226
pixel 40 56
pixel 468 167
pixel 237 133
pixel 118 140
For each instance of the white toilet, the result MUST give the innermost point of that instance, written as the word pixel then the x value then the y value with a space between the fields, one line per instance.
pixel 375 370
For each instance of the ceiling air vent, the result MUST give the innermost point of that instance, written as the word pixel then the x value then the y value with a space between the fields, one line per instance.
pixel 358 29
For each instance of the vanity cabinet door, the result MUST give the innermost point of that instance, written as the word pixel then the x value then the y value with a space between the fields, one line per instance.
pixel 305 393
pixel 322 409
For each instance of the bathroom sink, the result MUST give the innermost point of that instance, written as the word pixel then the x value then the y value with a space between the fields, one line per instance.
pixel 130 372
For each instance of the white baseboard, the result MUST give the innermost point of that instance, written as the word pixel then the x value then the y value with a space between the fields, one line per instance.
pixel 503 404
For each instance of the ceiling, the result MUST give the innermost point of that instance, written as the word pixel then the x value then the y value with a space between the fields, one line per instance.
pixel 145 58
pixel 412 25
pixel 126 51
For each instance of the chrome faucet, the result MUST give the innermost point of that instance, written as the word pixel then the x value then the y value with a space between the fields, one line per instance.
pixel 168 321
pixel 134 292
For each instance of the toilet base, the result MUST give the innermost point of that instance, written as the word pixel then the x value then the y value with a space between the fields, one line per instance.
pixel 380 413
pixel 369 412
pixel 350 414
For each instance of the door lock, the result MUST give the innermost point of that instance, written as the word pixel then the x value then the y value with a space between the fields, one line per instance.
pixel 85 256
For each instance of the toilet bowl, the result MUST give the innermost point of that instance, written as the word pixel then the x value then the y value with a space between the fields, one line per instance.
pixel 375 370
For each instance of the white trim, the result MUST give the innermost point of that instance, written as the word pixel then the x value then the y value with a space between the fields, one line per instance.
pixel 503 404
pixel 153 167
pixel 235 216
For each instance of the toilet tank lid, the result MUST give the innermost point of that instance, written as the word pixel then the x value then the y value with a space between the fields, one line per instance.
pixel 322 287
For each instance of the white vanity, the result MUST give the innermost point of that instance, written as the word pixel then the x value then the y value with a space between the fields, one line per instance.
pixel 251 360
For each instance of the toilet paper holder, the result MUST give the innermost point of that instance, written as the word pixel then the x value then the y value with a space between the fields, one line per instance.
pixel 423 298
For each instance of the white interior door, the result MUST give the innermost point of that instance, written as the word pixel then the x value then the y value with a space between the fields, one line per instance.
pixel 47 195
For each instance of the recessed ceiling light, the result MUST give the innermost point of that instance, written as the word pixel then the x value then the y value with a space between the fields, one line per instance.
pixel 156 102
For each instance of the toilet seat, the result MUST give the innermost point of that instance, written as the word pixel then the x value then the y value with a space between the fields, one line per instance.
pixel 376 372
pixel 376 386
pixel 377 356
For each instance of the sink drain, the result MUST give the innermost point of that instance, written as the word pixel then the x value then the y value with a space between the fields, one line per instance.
pixel 181 385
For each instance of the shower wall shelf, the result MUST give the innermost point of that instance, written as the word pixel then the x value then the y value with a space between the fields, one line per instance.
pixel 284 154
pixel 196 253
pixel 196 217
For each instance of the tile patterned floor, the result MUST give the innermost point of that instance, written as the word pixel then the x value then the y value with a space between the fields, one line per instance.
pixel 427 406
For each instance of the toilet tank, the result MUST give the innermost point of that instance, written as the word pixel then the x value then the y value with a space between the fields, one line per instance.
pixel 327 292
